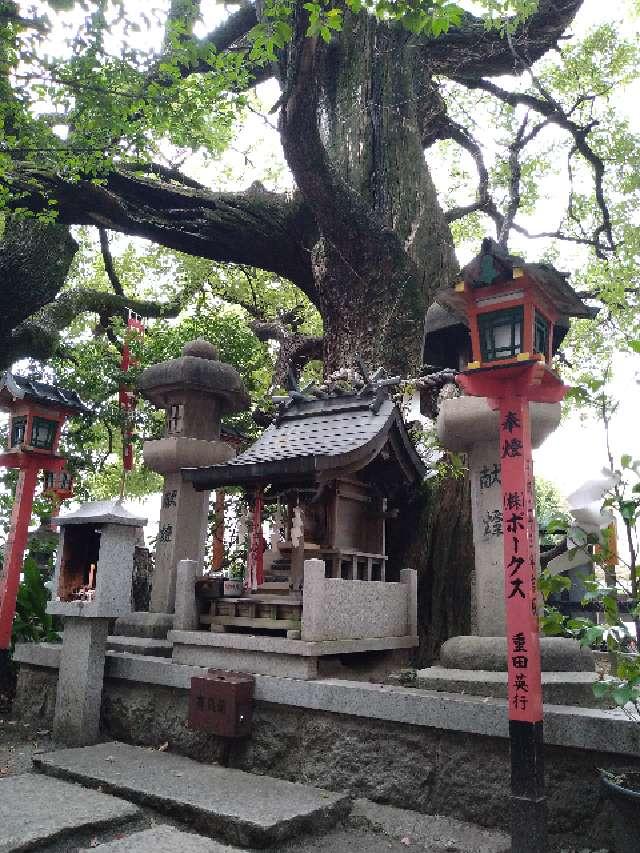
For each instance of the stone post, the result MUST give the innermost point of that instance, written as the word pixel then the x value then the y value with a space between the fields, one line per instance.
pixel 195 390
pixel 410 578
pixel 79 696
pixel 92 586
pixel 469 425
pixel 186 615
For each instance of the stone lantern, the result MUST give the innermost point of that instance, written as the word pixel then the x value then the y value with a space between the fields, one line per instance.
pixel 195 391
pixel 92 586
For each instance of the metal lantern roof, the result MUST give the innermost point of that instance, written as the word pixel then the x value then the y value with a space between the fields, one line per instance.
pixel 551 282
pixel 14 387
pixel 101 512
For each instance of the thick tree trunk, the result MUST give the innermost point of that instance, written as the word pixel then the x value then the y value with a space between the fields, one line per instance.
pixel 434 537
pixel 352 133
pixel 34 262
pixel 353 137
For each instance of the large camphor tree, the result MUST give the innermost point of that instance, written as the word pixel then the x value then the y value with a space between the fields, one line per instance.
pixel 365 93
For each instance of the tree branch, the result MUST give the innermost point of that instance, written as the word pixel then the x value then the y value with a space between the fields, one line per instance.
pixel 229 35
pixel 483 203
pixel 547 106
pixel 472 50
pixel 521 140
pixel 262 229
pixel 295 348
pixel 107 258
pixel 38 336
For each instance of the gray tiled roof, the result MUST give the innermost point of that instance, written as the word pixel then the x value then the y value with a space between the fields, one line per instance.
pixel 314 437
pixel 325 428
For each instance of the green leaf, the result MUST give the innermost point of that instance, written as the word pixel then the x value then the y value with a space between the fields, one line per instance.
pixel 600 689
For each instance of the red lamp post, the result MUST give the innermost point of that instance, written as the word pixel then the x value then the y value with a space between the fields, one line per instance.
pixel 512 308
pixel 38 412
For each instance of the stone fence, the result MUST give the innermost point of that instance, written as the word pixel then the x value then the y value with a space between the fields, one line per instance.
pixel 337 609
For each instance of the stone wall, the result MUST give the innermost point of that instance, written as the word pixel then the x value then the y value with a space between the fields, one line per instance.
pixel 418 767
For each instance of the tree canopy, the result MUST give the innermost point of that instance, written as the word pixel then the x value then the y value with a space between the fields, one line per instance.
pixel 103 102
pixel 409 128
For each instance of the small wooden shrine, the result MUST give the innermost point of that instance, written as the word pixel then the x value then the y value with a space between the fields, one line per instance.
pixel 331 469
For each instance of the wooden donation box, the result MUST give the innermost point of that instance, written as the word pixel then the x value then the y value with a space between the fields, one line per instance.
pixel 221 702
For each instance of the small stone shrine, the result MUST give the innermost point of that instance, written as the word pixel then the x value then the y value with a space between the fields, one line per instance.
pixel 469 425
pixel 195 391
pixel 332 468
pixel 92 586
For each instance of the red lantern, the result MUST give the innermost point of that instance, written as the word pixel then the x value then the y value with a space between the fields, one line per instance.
pixel 58 485
pixel 37 413
pixel 511 308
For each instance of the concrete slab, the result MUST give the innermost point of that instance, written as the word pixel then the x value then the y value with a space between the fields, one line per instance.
pixel 239 807
pixel 35 810
pixel 435 833
pixel 164 839
pixel 140 646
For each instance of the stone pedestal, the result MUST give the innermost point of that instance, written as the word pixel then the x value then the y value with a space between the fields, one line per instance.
pixel 77 716
pixel 469 425
pixel 182 535
pixel 477 664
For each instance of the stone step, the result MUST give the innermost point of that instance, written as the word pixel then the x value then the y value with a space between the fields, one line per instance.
pixel 435 833
pixel 239 807
pixel 36 810
pixel 141 646
pixel 164 839
pixel 273 587
pixel 154 626
pixel 293 600
pixel 263 623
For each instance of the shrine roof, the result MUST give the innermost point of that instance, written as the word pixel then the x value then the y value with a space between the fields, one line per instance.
pixel 101 512
pixel 317 439
pixel 14 387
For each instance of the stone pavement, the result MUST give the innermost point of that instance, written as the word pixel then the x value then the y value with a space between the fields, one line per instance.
pixel 164 839
pixel 239 807
pixel 36 809
pixel 55 816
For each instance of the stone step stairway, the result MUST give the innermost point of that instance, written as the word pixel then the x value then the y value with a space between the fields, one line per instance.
pixel 227 804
